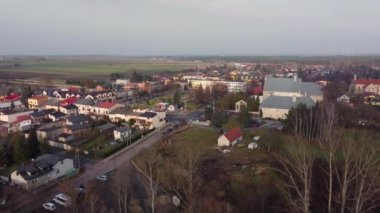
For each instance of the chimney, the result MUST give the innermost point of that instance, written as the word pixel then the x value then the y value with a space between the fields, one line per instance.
pixel 295 77
pixel 355 77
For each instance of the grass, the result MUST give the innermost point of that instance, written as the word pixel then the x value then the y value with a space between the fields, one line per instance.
pixel 197 138
pixel 83 67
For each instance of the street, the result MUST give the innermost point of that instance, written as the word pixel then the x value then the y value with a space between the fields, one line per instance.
pixel 91 171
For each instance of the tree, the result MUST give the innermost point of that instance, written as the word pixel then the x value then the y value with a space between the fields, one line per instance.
pixel 218 91
pixel 120 188
pixel 92 197
pixel 20 152
pixel 208 113
pixel 26 92
pixel 296 169
pixel 218 118
pixel 244 117
pixel 183 177
pixel 199 95
pixel 177 97
pixel 149 168
pixel 32 145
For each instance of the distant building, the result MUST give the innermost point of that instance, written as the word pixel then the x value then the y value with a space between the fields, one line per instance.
pixel 42 171
pixel 230 138
pixel 232 86
pixel 122 81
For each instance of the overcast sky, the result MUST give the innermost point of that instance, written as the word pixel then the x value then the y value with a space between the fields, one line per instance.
pixel 190 27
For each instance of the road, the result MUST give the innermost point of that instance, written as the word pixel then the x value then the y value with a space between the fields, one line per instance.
pixel 91 171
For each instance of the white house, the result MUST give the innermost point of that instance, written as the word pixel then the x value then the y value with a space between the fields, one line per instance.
pixel 343 99
pixel 239 105
pixel 230 138
pixel 22 123
pixel 122 133
pixel 144 119
pixel 41 171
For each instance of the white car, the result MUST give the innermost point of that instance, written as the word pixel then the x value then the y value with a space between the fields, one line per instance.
pixel 49 206
pixel 102 177
pixel 62 199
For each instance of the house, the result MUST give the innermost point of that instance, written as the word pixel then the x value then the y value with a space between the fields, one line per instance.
pixel 122 133
pixel 281 94
pixel 77 119
pixel 230 138
pixel 50 131
pixel 84 106
pixel 77 130
pixel 104 108
pixel 253 145
pixel 10 104
pixel 150 86
pixel 42 171
pixel 106 128
pixel 371 86
pixel 11 115
pixel 122 81
pixel 39 117
pixel 239 105
pixel 22 123
pixel 69 110
pixel 343 99
pixel 56 116
pixel 143 118
pixel 37 102
pixel 100 96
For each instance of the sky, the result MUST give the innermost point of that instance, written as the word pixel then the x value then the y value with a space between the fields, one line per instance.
pixel 189 27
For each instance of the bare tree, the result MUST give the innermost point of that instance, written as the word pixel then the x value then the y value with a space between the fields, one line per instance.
pixel 184 178
pixel 359 175
pixel 120 188
pixel 92 197
pixel 149 166
pixel 68 188
pixel 296 168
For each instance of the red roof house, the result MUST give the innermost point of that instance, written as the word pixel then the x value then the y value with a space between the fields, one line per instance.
pixel 231 137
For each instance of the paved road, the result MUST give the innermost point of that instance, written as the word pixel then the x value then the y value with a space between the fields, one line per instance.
pixel 120 158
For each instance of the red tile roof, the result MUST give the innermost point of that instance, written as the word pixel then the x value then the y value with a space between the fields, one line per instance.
pixel 105 104
pixel 367 81
pixel 13 97
pixel 234 134
pixel 21 118
pixel 69 101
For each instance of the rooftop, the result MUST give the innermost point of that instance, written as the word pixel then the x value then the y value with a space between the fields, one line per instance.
pixel 234 134
pixel 283 102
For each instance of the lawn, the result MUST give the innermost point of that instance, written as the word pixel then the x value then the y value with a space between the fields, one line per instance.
pixel 197 138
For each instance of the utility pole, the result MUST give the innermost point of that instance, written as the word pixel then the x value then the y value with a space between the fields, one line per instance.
pixel 77 157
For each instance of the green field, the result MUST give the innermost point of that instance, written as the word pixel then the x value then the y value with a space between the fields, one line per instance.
pixel 82 67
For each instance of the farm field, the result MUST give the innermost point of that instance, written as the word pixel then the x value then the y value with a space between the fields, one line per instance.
pixel 69 68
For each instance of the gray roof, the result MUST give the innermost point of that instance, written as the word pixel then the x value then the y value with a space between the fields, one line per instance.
pixel 106 126
pixel 284 102
pixel 41 165
pixel 121 110
pixel 289 85
pixel 83 101
pixel 123 129
pixel 78 126
pixel 78 118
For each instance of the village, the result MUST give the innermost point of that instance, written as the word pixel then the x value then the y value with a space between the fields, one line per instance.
pixel 240 108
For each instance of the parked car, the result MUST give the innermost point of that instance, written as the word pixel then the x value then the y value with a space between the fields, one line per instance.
pixel 49 206
pixel 62 199
pixel 102 178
